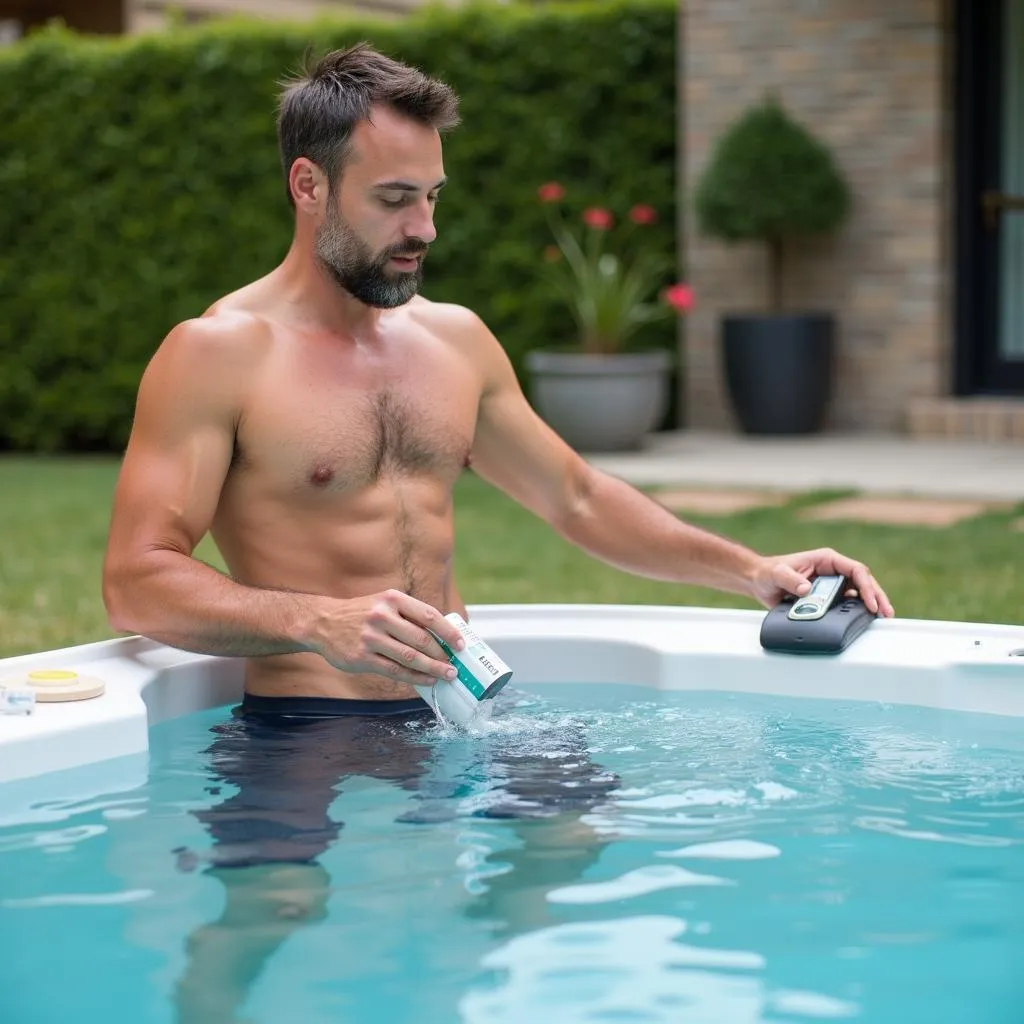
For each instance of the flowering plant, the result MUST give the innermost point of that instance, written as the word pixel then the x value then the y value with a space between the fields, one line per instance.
pixel 608 294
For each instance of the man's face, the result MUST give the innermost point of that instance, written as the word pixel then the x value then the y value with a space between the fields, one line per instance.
pixel 379 221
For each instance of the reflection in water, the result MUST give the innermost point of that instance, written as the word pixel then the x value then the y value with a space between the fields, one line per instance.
pixel 268 836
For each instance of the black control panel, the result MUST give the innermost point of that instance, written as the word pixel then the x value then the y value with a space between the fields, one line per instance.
pixel 845 620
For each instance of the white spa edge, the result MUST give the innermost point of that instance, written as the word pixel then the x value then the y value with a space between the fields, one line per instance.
pixel 956 666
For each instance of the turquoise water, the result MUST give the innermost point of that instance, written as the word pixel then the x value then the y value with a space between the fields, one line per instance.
pixel 602 854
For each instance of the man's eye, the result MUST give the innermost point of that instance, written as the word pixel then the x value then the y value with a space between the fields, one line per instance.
pixel 395 203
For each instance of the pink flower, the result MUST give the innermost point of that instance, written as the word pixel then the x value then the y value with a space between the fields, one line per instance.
pixel 550 192
pixel 679 297
pixel 643 214
pixel 597 217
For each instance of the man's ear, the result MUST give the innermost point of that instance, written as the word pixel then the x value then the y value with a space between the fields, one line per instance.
pixel 308 186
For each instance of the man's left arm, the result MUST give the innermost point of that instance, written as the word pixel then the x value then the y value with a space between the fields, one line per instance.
pixel 516 451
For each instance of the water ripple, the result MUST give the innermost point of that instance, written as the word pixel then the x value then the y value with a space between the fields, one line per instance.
pixel 633 883
pixel 632 969
pixel 728 849
pixel 54 837
pixel 79 899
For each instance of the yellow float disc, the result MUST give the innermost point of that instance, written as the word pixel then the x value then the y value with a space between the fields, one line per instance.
pixel 51 677
pixel 58 684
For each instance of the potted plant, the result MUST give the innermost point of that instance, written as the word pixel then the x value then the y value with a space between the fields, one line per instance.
pixel 594 394
pixel 768 179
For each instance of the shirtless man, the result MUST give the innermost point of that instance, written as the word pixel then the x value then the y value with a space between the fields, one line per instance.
pixel 316 422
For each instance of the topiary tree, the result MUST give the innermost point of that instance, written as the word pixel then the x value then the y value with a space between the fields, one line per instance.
pixel 770 180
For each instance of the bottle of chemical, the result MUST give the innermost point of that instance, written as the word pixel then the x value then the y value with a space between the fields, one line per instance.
pixel 481 676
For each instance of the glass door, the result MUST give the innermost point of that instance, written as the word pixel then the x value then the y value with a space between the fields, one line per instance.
pixel 1010 347
pixel 989 46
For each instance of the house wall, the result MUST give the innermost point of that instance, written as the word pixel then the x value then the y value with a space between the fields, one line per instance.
pixel 105 16
pixel 870 78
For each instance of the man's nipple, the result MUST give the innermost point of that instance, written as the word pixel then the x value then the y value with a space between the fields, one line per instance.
pixel 321 476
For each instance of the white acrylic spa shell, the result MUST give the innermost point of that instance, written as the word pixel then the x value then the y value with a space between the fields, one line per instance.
pixel 952 665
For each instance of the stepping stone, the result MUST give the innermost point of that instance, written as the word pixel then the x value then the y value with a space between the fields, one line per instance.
pixel 900 511
pixel 717 503
pixel 1018 525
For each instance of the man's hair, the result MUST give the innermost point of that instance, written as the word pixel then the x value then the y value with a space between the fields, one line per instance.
pixel 318 110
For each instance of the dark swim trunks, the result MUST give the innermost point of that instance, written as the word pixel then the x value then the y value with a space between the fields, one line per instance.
pixel 328 707
pixel 288 757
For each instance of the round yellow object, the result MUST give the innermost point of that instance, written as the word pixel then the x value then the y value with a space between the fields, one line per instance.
pixel 57 684
pixel 52 676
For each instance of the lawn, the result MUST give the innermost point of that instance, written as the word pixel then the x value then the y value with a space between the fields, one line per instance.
pixel 54 514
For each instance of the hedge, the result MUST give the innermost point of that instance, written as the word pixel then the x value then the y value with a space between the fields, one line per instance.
pixel 139 181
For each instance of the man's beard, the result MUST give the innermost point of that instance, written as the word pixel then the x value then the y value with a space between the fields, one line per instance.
pixel 350 261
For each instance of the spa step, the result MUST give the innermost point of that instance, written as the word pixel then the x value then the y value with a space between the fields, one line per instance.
pixel 974 419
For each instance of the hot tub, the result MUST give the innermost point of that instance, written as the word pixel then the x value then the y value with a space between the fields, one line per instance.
pixel 667 823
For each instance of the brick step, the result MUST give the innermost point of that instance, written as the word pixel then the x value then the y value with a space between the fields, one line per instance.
pixel 974 419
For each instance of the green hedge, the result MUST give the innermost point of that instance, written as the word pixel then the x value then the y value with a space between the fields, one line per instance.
pixel 139 181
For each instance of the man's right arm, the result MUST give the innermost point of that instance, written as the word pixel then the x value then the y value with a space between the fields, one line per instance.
pixel 175 464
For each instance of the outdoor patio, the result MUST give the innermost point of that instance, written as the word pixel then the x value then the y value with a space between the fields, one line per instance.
pixel 745 470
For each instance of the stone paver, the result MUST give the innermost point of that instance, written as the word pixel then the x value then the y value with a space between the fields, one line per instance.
pixel 899 511
pixel 869 463
pixel 717 502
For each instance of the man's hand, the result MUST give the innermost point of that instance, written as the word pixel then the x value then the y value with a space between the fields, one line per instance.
pixel 781 575
pixel 388 634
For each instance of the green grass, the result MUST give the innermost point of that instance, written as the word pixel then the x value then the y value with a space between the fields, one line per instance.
pixel 54 514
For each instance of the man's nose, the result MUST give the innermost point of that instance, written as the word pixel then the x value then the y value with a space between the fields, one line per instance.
pixel 421 222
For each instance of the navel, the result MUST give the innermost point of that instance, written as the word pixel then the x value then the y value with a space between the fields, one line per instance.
pixel 321 476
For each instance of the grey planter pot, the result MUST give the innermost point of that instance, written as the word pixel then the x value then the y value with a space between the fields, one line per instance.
pixel 600 403
pixel 779 371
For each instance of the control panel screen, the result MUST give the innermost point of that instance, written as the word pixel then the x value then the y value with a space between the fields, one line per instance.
pixel 822 585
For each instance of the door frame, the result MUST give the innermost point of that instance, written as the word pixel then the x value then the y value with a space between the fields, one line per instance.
pixel 978 119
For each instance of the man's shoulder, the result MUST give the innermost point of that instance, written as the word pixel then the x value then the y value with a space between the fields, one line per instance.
pixel 207 361
pixel 457 326
pixel 465 331
pixel 446 317
pixel 225 334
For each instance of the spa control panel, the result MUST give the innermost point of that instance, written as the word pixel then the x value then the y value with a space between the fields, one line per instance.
pixel 823 621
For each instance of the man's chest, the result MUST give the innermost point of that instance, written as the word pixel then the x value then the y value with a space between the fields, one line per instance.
pixel 329 428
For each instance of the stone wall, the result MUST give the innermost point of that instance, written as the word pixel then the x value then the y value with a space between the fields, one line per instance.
pixel 869 77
